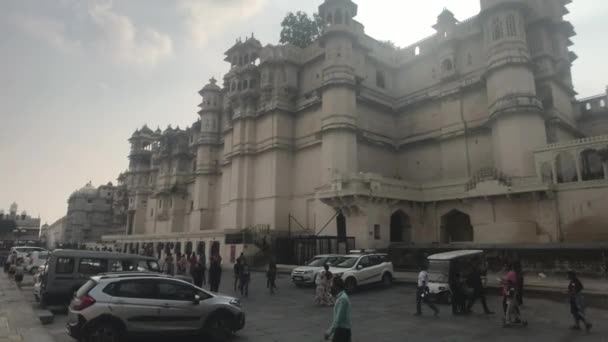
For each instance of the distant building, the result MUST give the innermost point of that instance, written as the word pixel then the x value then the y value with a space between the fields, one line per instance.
pixel 473 134
pixel 92 212
pixel 55 233
pixel 25 228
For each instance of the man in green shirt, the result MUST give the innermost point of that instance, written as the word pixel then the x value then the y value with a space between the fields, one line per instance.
pixel 340 328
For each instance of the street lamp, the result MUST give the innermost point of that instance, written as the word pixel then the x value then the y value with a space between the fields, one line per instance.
pixel 18 233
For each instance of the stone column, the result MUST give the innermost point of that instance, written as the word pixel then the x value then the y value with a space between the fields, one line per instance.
pixel 579 174
pixel 554 171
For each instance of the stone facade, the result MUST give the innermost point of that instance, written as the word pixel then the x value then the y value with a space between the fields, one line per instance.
pixel 455 138
pixel 27 228
pixel 92 213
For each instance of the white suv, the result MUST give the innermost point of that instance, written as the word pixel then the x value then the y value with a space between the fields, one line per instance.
pixel 114 307
pixel 363 269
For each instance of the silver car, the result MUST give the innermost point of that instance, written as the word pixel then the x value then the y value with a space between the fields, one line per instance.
pixel 111 307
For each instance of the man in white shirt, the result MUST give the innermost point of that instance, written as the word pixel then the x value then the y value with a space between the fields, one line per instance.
pixel 422 293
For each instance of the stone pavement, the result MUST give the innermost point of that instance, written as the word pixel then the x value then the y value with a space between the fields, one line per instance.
pixel 18 322
pixel 383 315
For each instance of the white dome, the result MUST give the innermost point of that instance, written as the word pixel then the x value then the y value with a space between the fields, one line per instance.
pixel 86 190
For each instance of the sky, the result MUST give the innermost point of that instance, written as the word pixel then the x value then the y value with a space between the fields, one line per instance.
pixel 77 77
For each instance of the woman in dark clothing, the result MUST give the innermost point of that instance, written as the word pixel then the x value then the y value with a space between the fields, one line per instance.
pixel 271 276
pixel 458 296
pixel 577 306
pixel 520 282
pixel 215 272
pixel 197 274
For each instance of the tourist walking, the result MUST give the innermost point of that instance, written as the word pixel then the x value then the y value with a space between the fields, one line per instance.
pixel 169 264
pixel 271 277
pixel 475 283
pixel 215 272
pixel 517 268
pixel 244 278
pixel 236 269
pixel 323 281
pixel 340 328
pixel 510 303
pixel 197 273
pixel 577 305
pixel 458 296
pixel 182 264
pixel 422 292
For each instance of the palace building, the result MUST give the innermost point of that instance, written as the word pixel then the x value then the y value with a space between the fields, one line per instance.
pixel 473 134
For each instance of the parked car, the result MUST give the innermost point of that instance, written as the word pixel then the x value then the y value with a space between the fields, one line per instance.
pixel 116 306
pixel 23 251
pixel 306 275
pixel 363 269
pixel 34 260
pixel 442 265
pixel 67 270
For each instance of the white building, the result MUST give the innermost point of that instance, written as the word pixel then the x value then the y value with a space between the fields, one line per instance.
pixel 473 134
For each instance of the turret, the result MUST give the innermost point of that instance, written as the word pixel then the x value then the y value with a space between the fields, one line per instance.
pixel 242 82
pixel 518 125
pixel 210 112
pixel 338 125
pixel 446 54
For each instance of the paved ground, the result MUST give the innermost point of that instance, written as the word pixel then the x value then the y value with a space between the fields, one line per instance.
pixel 386 315
pixel 18 321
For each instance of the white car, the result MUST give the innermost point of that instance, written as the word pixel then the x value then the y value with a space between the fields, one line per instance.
pixel 23 251
pixel 363 269
pixel 34 260
pixel 306 275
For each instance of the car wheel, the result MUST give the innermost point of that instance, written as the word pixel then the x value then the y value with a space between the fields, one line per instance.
pixel 219 327
pixel 351 285
pixel 103 332
pixel 387 279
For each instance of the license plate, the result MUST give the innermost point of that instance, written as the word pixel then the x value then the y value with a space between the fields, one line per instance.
pixel 297 278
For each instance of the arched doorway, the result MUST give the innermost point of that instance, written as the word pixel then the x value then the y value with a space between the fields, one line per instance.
pixel 456 227
pixel 400 227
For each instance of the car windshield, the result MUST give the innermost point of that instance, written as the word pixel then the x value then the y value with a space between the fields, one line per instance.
pixel 317 261
pixel 439 270
pixel 347 262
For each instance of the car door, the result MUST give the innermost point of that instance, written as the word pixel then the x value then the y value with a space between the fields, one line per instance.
pixel 180 311
pixel 363 270
pixel 88 267
pixel 134 302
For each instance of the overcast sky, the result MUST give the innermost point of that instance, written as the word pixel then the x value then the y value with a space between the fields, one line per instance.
pixel 78 76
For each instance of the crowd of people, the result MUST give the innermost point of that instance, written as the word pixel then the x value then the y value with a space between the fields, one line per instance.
pixel 467 287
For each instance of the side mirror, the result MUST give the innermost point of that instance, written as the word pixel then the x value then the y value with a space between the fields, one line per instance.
pixel 197 300
pixel 359 267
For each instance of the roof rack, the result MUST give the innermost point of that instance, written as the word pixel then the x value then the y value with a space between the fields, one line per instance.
pixel 128 274
pixel 362 251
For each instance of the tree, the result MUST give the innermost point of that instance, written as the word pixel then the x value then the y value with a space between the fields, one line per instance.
pixel 301 30
pixel 390 44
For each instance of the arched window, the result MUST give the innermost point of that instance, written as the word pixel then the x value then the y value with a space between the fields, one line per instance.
pixel 338 17
pixel 235 60
pixel 592 168
pixel 602 103
pixel 587 106
pixel 497 30
pixel 446 65
pixel 416 50
pixel 511 26
pixel 245 84
pixel 330 20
